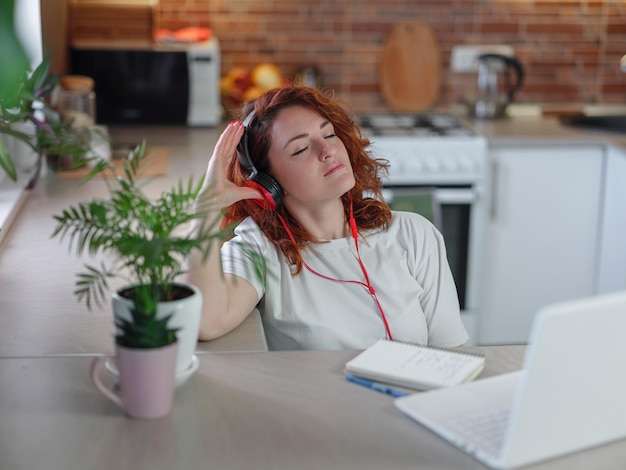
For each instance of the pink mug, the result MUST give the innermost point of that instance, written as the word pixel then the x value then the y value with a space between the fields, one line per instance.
pixel 146 379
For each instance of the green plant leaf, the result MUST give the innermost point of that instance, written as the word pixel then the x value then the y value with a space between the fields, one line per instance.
pixel 39 78
pixel 6 162
pixel 14 59
pixel 98 168
pixel 92 286
pixel 145 330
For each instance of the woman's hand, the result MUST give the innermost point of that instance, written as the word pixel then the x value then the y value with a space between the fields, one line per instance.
pixel 217 189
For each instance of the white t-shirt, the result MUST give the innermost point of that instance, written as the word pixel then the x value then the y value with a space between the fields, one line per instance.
pixel 407 267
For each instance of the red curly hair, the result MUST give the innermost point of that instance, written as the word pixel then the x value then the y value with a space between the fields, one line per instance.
pixel 369 209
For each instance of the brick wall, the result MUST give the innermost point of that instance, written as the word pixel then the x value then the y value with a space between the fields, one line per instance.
pixel 570 49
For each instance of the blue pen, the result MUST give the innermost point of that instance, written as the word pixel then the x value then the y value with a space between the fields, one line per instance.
pixel 375 386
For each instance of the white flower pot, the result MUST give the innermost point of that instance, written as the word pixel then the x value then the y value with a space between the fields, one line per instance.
pixel 185 313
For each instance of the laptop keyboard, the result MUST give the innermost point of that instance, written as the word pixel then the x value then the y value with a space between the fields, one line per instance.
pixel 486 428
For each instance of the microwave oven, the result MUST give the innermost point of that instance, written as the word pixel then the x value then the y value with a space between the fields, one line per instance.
pixel 160 84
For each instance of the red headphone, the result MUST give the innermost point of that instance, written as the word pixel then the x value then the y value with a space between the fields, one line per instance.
pixel 367 284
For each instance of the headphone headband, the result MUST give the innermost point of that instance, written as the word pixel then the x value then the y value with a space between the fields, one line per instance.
pixel 246 121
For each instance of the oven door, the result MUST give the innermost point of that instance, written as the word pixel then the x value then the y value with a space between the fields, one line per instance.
pixel 454 217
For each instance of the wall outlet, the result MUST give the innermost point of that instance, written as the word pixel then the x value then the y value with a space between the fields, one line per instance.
pixel 463 58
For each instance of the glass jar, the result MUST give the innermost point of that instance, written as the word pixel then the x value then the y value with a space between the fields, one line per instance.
pixel 77 100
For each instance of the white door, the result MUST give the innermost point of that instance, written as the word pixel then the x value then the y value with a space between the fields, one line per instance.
pixel 543 234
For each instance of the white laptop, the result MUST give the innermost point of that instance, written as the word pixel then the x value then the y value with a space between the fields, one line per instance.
pixel 570 394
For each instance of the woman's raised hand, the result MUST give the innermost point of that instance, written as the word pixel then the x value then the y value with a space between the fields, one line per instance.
pixel 221 191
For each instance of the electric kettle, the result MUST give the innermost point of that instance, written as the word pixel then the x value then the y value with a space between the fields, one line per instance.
pixel 499 77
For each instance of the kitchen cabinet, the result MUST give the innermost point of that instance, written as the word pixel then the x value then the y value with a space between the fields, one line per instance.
pixel 612 253
pixel 543 233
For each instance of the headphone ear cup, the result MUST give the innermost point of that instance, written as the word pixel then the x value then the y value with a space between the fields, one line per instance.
pixel 268 186
pixel 272 191
pixel 244 159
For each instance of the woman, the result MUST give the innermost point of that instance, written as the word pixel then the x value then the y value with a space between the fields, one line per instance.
pixel 339 269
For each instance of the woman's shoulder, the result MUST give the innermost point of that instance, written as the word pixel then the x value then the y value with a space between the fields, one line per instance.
pixel 248 238
pixel 249 230
pixel 405 224
pixel 411 226
pixel 410 219
pixel 247 224
pixel 401 224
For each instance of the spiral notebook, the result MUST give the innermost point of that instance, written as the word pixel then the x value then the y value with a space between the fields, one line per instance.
pixel 414 366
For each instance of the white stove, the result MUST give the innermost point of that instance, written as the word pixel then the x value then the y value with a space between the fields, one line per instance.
pixel 440 152
pixel 427 149
pixel 433 124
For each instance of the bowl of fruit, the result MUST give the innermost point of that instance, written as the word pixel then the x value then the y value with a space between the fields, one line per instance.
pixel 240 85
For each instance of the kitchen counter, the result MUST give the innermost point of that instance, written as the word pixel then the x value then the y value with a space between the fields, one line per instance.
pixel 516 130
pixel 39 314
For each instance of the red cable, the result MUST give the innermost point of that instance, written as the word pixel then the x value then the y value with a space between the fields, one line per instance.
pixel 366 284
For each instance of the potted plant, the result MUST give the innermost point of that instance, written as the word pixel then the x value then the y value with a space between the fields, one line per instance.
pixel 31 124
pixel 146 241
pixel 27 121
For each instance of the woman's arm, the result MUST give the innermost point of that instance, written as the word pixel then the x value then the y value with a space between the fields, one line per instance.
pixel 227 299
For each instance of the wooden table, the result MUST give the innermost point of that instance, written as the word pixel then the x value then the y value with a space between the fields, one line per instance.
pixel 267 410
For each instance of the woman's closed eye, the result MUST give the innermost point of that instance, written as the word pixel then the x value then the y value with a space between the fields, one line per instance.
pixel 304 149
pixel 299 152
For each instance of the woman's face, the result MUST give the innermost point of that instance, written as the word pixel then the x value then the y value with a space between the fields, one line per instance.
pixel 306 157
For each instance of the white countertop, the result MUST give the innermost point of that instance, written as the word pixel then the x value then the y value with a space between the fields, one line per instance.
pixel 524 129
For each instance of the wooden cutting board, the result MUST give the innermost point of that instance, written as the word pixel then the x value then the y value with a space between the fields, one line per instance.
pixel 410 67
